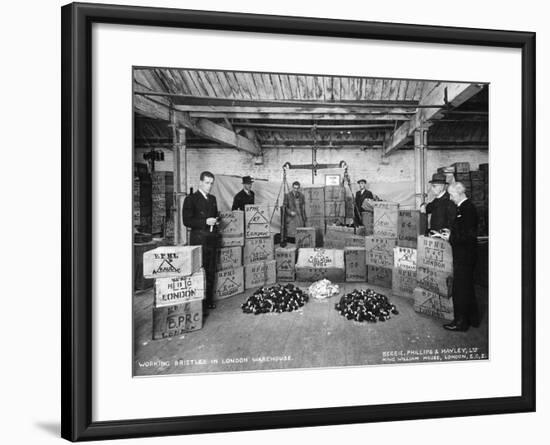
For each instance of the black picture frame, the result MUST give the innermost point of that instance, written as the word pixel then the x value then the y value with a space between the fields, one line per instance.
pixel 76 230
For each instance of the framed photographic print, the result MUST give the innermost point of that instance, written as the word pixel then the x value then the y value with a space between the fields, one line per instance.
pixel 319 234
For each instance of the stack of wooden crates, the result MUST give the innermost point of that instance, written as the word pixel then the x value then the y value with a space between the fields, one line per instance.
pixel 476 183
pixel 230 274
pixel 259 257
pixel 179 289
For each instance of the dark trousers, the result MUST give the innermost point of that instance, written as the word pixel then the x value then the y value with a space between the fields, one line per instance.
pixel 209 242
pixel 464 300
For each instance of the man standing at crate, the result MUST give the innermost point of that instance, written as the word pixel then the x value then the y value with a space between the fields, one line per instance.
pixel 295 204
pixel 245 196
pixel 360 197
pixel 463 239
pixel 200 214
pixel 441 208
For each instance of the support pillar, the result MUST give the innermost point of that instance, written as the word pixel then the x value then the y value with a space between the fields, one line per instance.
pixel 420 164
pixel 180 180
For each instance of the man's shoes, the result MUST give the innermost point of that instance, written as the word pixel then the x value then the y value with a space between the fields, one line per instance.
pixel 457 327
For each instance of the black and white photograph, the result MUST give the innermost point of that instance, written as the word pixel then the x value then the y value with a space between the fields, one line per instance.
pixel 286 221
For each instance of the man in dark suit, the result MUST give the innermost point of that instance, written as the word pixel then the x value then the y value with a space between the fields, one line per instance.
pixel 360 197
pixel 463 239
pixel 442 209
pixel 200 214
pixel 245 196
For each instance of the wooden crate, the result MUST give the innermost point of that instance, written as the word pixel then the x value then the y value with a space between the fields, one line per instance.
pixel 314 193
pixel 257 221
pixel 435 281
pixel 404 258
pixel 171 321
pixel 140 282
pixel 312 274
pixel 385 218
pixel 435 254
pixel 335 236
pixel 306 237
pixel 229 257
pixel 319 225
pixel 356 267
pixel 314 198
pixel 229 282
pixel 477 175
pixel 178 290
pixel 285 259
pixel 379 276
pixel 432 304
pixel 231 228
pixel 315 264
pixel 258 249
pixel 335 209
pixel 354 241
pixel 260 274
pixel 410 224
pixel 172 261
pixel 367 218
pixel 379 250
pixel 461 167
pixel 334 193
pixel 403 282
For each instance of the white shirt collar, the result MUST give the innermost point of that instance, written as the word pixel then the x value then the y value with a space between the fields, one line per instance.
pixel 460 203
pixel 441 194
pixel 203 194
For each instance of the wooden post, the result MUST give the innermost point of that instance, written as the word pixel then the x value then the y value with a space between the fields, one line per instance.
pixel 420 159
pixel 182 182
pixel 180 167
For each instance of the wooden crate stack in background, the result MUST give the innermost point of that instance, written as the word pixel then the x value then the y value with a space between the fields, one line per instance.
pixel 476 183
pixel 162 199
pixel 335 205
pixel 142 198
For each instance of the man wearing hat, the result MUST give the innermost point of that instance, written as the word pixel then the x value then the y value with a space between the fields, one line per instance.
pixel 442 209
pixel 245 196
pixel 360 197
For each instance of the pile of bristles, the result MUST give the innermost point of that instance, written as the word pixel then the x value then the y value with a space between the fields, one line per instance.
pixel 277 298
pixel 365 305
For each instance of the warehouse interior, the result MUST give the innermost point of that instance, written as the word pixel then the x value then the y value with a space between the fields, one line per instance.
pixel 279 128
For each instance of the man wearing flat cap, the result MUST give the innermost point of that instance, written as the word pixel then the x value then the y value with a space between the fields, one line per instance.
pixel 441 208
pixel 360 197
pixel 245 196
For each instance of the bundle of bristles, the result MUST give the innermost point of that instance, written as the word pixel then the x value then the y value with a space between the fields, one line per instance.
pixel 365 305
pixel 277 298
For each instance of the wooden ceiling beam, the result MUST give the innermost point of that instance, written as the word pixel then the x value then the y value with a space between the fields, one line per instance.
pixel 191 100
pixel 300 116
pixel 200 127
pixel 454 93
pixel 319 109
pixel 283 126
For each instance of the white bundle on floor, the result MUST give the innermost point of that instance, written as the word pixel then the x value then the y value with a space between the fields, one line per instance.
pixel 323 289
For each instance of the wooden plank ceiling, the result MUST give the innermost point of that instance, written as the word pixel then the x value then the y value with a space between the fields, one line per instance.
pixel 256 111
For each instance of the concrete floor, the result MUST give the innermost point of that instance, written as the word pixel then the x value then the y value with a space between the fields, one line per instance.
pixel 315 336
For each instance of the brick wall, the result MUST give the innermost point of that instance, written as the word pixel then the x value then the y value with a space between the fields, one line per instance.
pixel 368 164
